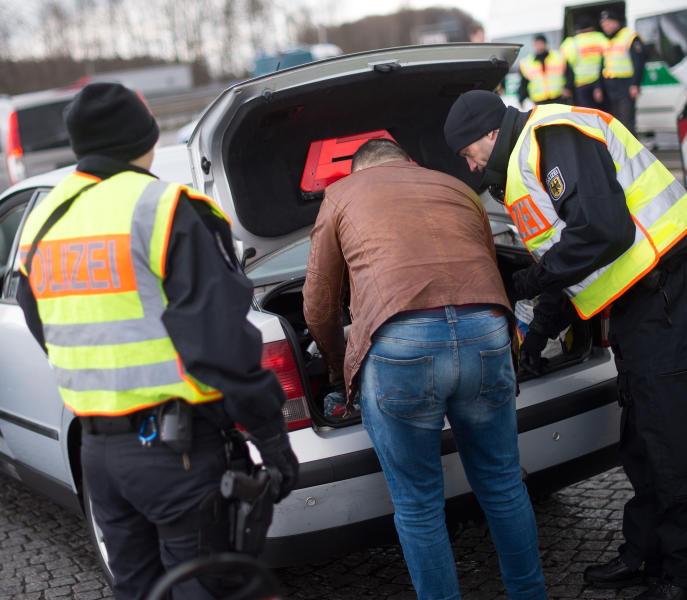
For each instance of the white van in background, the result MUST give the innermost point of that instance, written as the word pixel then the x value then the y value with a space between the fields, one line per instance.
pixel 661 25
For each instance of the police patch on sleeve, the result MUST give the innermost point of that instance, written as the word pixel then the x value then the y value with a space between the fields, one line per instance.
pixel 555 183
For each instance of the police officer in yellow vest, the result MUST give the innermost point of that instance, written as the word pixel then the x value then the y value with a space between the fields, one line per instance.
pixel 606 223
pixel 545 76
pixel 134 292
pixel 622 69
pixel 583 52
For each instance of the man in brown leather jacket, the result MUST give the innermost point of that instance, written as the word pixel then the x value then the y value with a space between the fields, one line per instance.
pixel 429 339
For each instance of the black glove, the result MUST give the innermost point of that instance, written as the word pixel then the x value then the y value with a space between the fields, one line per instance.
pixel 530 352
pixel 276 452
pixel 523 284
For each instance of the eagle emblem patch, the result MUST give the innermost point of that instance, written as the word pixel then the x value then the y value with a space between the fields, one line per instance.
pixel 555 183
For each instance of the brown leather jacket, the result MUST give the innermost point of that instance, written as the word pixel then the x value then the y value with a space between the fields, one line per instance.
pixel 405 238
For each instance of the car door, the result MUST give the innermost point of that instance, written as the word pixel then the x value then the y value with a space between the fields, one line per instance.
pixel 32 443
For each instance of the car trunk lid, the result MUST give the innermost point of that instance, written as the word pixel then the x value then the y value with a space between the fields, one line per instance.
pixel 252 144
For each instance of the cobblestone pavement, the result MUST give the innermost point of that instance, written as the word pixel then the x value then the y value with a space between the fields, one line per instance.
pixel 45 552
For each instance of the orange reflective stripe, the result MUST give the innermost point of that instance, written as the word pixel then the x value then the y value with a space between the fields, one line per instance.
pixel 206 395
pixel 528 218
pixel 587 50
pixel 82 266
pixel 87 176
pixel 593 111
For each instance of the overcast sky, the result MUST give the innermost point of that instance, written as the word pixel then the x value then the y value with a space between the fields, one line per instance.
pixel 351 10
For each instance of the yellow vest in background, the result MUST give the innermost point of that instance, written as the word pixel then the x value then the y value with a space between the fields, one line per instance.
pixel 545 82
pixel 583 53
pixel 617 60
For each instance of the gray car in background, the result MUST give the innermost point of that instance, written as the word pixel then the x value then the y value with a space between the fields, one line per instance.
pixel 265 150
pixel 34 137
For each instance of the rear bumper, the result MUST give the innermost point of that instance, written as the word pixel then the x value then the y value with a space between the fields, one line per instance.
pixel 364 462
pixel 342 502
pixel 338 541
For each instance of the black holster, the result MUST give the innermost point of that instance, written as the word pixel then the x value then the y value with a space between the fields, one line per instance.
pixel 237 515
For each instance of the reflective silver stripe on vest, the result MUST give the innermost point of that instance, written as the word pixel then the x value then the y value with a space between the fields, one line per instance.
pixel 148 284
pixel 95 334
pixel 573 290
pixel 118 380
pixel 633 167
pixel 660 204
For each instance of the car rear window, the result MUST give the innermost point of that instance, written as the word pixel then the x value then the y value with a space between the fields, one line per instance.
pixel 42 127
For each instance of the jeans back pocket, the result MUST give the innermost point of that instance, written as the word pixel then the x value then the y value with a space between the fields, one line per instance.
pixel 404 387
pixel 498 376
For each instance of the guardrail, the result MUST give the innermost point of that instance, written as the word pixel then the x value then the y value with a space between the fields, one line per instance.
pixel 174 110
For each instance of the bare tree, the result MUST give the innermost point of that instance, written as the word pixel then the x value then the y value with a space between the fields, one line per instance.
pixel 56 21
pixel 227 33
pixel 257 12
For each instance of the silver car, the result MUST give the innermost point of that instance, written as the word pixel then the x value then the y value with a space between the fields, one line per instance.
pixel 264 150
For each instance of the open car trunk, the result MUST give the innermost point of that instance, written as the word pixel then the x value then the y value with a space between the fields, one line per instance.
pixel 259 149
pixel 286 300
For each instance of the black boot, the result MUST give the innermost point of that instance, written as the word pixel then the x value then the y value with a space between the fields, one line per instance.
pixel 613 574
pixel 663 591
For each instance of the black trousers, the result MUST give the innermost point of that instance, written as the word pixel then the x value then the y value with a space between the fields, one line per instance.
pixel 624 109
pixel 584 96
pixel 649 339
pixel 133 488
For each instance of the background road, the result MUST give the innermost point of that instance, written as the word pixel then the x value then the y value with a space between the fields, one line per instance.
pixel 45 552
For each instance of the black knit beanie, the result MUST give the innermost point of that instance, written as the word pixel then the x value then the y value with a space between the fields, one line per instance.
pixel 471 117
pixel 111 120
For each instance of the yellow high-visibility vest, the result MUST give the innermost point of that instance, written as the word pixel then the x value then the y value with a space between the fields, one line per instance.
pixel 97 279
pixel 545 81
pixel 583 53
pixel 655 199
pixel 617 59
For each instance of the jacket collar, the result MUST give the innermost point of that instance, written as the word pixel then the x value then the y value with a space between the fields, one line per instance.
pixel 104 166
pixel 511 127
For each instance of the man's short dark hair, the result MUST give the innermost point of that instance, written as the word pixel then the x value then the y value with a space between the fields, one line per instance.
pixel 376 151
pixel 540 37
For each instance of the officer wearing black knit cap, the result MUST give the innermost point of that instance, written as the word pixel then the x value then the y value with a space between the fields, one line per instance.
pixel 161 362
pixel 108 119
pixel 579 196
pixel 622 68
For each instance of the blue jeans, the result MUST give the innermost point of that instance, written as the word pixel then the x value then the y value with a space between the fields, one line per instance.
pixel 426 365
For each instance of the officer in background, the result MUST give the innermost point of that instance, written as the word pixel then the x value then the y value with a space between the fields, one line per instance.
pixel 133 290
pixel 606 222
pixel 545 75
pixel 622 70
pixel 583 52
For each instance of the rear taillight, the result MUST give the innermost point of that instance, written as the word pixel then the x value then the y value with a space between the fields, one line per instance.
pixel 605 317
pixel 279 357
pixel 13 150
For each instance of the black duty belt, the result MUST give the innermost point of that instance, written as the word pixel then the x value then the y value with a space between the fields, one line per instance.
pixel 114 425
